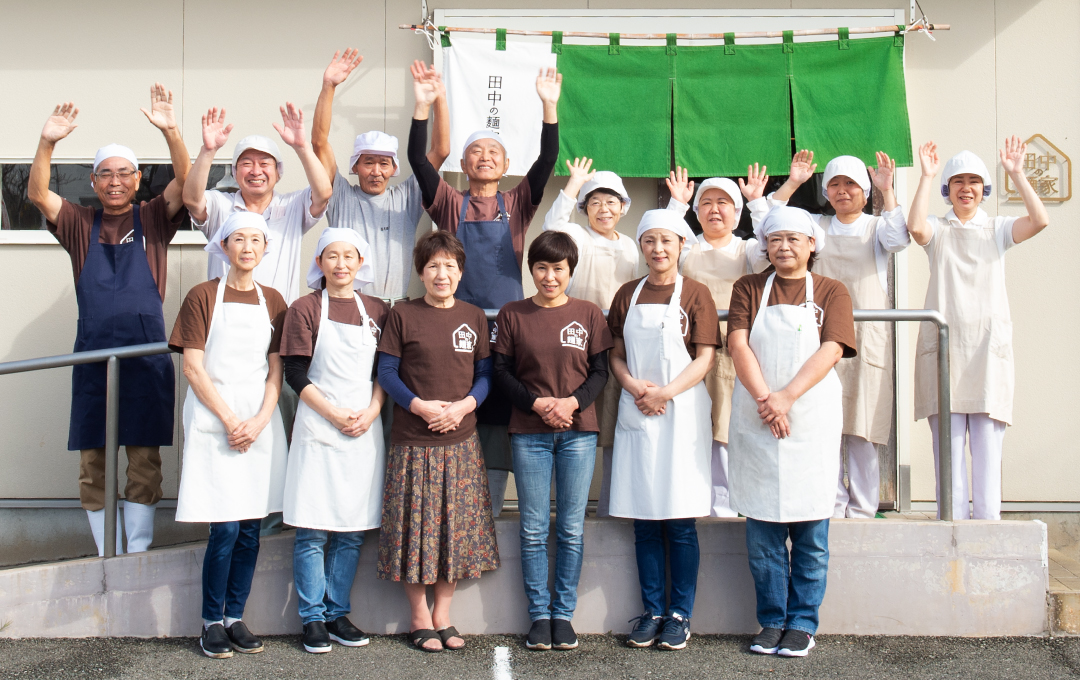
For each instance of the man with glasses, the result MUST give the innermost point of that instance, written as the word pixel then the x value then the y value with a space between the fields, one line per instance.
pixel 119 255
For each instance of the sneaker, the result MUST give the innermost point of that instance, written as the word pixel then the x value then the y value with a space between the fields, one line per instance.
pixel 644 633
pixel 342 631
pixel 563 635
pixel 674 632
pixel 215 642
pixel 315 639
pixel 796 643
pixel 539 635
pixel 242 640
pixel 767 641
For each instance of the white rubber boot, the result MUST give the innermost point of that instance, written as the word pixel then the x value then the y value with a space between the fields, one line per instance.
pixel 139 526
pixel 97 527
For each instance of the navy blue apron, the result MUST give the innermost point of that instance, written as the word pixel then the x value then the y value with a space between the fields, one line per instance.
pixel 492 278
pixel 119 305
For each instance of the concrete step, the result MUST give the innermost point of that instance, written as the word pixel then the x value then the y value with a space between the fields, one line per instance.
pixel 886 576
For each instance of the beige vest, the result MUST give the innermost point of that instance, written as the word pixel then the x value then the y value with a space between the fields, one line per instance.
pixel 867 379
pixel 967 285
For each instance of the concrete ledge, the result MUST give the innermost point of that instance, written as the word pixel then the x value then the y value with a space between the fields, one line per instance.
pixel 890 577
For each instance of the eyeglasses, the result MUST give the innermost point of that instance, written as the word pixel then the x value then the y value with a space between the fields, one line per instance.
pixel 107 175
pixel 611 203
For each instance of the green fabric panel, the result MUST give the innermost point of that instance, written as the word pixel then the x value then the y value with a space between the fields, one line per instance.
pixel 732 109
pixel 616 109
pixel 444 36
pixel 613 43
pixel 852 101
pixel 842 37
pixel 556 42
pixel 500 39
pixel 672 44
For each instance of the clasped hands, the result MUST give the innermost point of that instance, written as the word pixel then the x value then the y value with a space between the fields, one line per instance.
pixel 353 423
pixel 650 398
pixel 773 409
pixel 556 413
pixel 443 416
pixel 243 433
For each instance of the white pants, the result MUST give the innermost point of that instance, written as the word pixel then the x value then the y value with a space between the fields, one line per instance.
pixel 604 502
pixel 859 499
pixel 721 498
pixel 497 489
pixel 985 437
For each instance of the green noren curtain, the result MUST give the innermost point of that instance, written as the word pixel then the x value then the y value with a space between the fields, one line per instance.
pixel 616 109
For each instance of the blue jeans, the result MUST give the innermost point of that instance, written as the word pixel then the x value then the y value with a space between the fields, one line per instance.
pixel 324 566
pixel 663 542
pixel 789 591
pixel 573 456
pixel 228 567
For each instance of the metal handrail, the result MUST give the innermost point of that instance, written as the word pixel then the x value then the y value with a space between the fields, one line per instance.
pixel 112 409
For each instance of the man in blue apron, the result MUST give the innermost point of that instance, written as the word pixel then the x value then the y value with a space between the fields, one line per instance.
pixel 491 224
pixel 119 254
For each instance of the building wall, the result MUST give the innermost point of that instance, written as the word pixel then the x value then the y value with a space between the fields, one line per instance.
pixel 1004 68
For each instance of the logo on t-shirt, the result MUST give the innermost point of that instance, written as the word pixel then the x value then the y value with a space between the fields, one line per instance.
pixel 374 328
pixel 819 313
pixel 574 335
pixel 465 338
pixel 494 332
pixel 684 322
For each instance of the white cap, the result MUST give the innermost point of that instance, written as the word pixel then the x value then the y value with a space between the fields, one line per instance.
pixel 786 218
pixel 604 179
pixel 666 219
pixel 115 151
pixel 723 184
pixel 241 219
pixel 846 166
pixel 259 143
pixel 963 163
pixel 333 235
pixel 377 143
pixel 482 134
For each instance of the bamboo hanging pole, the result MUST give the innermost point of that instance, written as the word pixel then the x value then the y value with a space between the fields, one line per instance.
pixel 689 36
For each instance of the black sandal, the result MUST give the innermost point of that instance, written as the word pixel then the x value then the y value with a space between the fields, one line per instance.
pixel 450 632
pixel 422 635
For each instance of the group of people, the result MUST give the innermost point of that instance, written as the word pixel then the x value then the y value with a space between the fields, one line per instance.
pixel 353 408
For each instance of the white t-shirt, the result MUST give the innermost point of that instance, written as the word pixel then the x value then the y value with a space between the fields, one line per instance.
pixel 1003 228
pixel 288 217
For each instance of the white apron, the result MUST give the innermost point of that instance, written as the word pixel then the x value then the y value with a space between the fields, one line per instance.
pixel 335 482
pixel 967 285
pixel 661 464
pixel 219 484
pixel 867 378
pixel 792 479
pixel 719 269
pixel 603 267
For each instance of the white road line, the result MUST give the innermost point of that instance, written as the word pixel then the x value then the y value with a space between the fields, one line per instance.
pixel 501 669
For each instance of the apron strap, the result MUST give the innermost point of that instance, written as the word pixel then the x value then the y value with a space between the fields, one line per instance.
pixel 464 207
pixel 764 297
pixel 95 231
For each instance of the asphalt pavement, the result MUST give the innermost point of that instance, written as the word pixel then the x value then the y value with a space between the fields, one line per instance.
pixel 600 657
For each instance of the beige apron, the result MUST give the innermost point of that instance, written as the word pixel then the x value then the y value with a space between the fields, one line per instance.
pixel 867 378
pixel 967 285
pixel 719 269
pixel 603 267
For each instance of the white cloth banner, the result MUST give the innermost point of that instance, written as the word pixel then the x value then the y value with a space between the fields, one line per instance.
pixel 495 90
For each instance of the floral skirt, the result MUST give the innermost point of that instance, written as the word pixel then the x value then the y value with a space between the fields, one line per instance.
pixel 436 521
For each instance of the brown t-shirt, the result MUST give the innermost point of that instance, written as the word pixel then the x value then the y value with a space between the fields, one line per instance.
pixel 438 349
pixel 835 319
pixel 551 347
pixel 73 226
pixel 700 322
pixel 302 320
pixel 193 322
pixel 445 211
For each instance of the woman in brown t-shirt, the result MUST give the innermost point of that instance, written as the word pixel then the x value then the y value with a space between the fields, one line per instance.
pixel 551 360
pixel 434 362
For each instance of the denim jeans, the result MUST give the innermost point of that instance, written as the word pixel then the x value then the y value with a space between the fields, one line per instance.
pixel 324 566
pixel 573 456
pixel 663 542
pixel 789 591
pixel 228 567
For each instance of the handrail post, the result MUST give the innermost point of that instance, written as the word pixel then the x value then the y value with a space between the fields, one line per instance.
pixel 112 418
pixel 945 485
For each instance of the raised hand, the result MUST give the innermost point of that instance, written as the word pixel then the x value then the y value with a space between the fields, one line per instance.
pixel 291 127
pixel 883 176
pixel 161 113
pixel 680 186
pixel 426 88
pixel 60 123
pixel 214 130
pixel 928 158
pixel 754 186
pixel 341 66
pixel 1012 156
pixel 802 166
pixel 549 85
